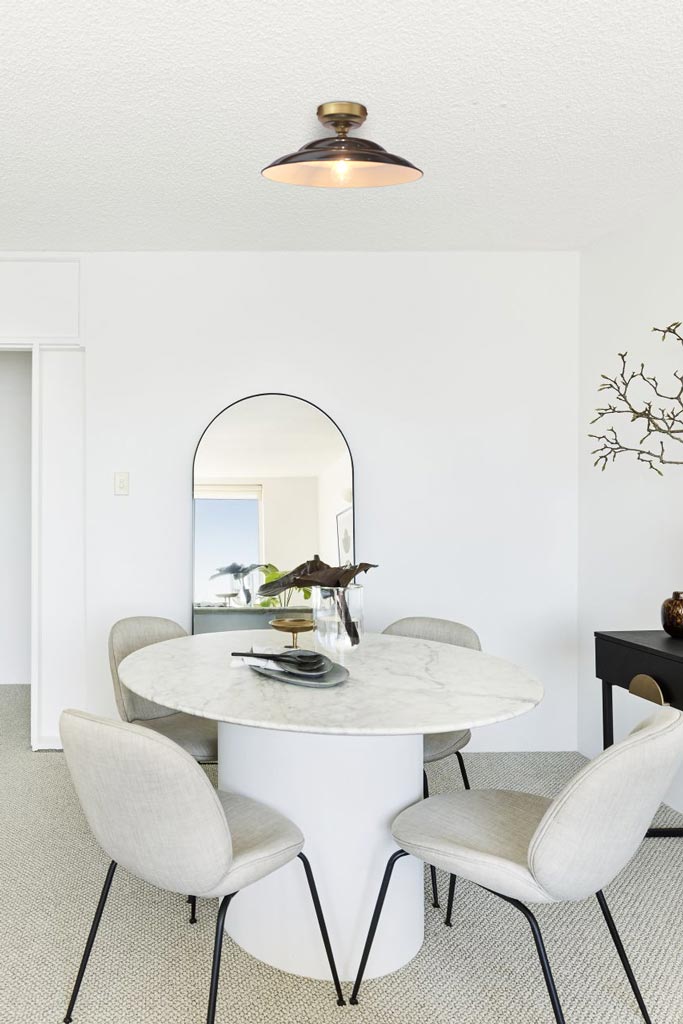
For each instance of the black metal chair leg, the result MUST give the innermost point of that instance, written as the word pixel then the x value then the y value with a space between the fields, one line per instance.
pixel 542 955
pixel 323 928
pixel 451 894
pixel 91 938
pixel 435 889
pixel 432 870
pixel 216 965
pixel 192 900
pixel 463 770
pixel 374 922
pixel 616 939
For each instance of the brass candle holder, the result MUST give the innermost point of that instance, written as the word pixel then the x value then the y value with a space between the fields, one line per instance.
pixel 293 626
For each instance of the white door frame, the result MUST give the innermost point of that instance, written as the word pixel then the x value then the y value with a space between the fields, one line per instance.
pixel 13 340
pixel 35 346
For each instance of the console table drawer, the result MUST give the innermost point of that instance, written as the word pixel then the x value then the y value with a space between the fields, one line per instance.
pixel 617 664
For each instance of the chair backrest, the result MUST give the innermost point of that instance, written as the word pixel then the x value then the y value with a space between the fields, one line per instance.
pixel 148 803
pixel 130 635
pixel 596 824
pixel 442 630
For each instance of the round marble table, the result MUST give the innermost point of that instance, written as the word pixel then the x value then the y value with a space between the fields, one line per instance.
pixel 341 763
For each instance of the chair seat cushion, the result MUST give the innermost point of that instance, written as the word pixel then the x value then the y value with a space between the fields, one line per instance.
pixel 481 835
pixel 198 736
pixel 443 744
pixel 262 840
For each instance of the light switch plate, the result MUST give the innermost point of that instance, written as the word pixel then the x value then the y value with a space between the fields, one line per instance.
pixel 121 484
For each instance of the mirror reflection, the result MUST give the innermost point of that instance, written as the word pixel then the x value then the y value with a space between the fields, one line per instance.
pixel 272 486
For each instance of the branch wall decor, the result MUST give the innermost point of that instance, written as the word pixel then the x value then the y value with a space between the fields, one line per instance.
pixel 657 409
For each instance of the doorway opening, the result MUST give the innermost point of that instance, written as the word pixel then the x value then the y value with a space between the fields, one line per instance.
pixel 15 517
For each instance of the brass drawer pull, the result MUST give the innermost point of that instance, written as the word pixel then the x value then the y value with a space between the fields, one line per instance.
pixel 647 688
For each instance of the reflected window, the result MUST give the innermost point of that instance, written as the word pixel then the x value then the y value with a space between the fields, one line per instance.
pixel 227 530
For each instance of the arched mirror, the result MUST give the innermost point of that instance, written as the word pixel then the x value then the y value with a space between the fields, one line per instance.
pixel 272 486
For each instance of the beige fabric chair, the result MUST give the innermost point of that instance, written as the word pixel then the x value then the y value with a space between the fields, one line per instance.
pixel 441 744
pixel 153 810
pixel 199 736
pixel 525 847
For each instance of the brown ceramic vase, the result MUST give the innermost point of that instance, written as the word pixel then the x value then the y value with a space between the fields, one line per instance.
pixel 672 615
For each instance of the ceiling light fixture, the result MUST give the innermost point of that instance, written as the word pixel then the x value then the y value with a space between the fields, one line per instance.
pixel 342 162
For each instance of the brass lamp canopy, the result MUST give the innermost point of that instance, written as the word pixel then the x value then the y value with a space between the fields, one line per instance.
pixel 340 161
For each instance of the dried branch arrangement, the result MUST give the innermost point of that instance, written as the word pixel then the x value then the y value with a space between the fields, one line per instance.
pixel 331 579
pixel 657 409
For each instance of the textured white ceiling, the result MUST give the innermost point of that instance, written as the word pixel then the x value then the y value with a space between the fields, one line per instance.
pixel 143 124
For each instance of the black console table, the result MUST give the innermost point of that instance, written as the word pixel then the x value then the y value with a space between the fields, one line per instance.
pixel 648 662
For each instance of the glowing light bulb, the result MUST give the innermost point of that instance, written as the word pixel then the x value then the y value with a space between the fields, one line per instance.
pixel 340 170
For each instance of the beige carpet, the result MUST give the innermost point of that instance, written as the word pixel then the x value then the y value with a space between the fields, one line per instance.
pixel 150 966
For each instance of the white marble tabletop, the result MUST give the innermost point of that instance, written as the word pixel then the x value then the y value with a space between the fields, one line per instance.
pixel 397 686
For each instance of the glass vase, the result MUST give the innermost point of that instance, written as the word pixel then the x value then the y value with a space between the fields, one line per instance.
pixel 338 616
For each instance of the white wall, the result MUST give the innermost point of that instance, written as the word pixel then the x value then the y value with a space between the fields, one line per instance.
pixel 39 298
pixel 631 540
pixel 458 397
pixel 15 517
pixel 454 379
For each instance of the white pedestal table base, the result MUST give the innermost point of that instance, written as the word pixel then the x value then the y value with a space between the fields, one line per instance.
pixel 343 792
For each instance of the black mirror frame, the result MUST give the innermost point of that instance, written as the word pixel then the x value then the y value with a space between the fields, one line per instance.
pixel 247 398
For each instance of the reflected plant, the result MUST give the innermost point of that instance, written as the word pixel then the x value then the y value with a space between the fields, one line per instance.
pixel 238 572
pixel 283 598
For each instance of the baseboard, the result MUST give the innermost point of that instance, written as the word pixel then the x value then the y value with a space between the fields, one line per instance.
pixel 47 743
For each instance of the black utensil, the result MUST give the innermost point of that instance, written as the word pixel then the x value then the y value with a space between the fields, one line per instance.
pixel 298 655
pixel 305 661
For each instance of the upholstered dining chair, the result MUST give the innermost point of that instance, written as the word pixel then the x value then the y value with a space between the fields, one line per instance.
pixel 528 848
pixel 441 744
pixel 198 736
pixel 154 811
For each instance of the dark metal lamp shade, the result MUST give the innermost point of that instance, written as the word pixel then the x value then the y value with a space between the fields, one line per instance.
pixel 342 162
